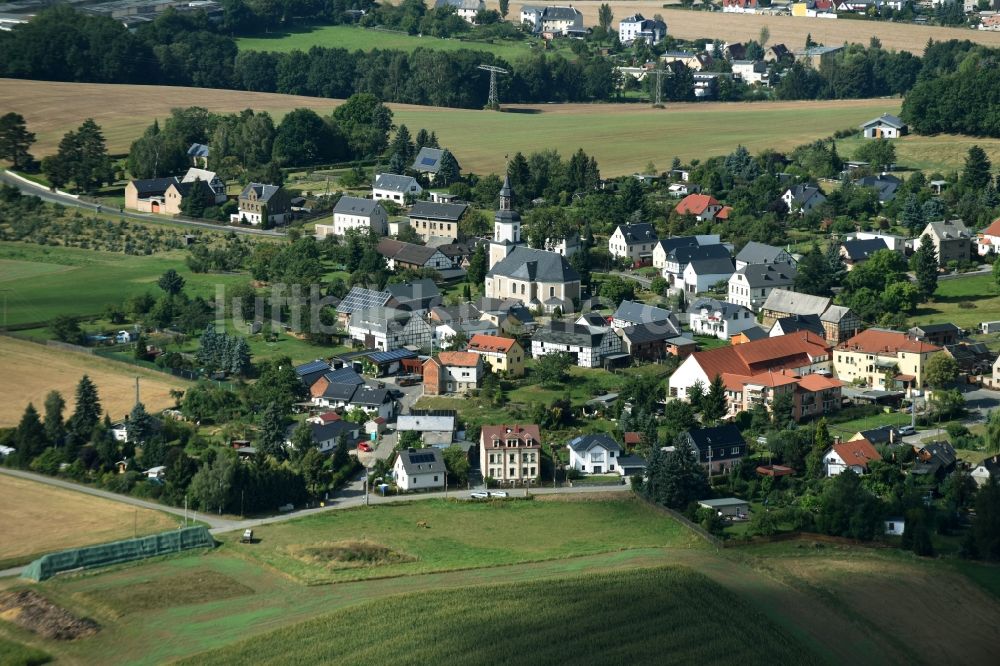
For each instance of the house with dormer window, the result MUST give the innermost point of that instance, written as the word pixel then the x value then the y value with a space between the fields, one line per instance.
pixel 510 455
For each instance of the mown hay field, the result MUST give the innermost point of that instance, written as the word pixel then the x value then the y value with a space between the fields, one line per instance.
pixel 623 137
pixel 28 371
pixel 39 518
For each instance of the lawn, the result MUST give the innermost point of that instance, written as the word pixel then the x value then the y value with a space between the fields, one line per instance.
pixel 356 38
pixel 569 622
pixel 966 301
pixel 357 544
pixel 31 370
pixel 941 153
pixel 39 519
pixel 15 654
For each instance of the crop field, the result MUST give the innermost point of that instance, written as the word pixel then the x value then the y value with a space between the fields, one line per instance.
pixel 569 620
pixel 623 137
pixel 38 519
pixel 942 152
pixel 441 535
pixel 28 371
pixel 965 301
pixel 356 38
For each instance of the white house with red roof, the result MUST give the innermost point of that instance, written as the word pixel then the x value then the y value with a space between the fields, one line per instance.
pixel 988 240
pixel 705 207
pixel 854 456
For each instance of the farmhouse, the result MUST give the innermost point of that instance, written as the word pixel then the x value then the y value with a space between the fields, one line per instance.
pixel 632 313
pixel 263 204
pixel 886 126
pixel 510 454
pixel 634 242
pixel 504 355
pixel 419 469
pixel 594 454
pixel 586 345
pixel 557 20
pixel 386 328
pixel 854 455
pixel 636 27
pixel 415 296
pixel 718 448
pixel 355 213
pixel 452 372
pixel 210 177
pixel 793 323
pixel 436 222
pixel 466 9
pixel 435 430
pixel 390 187
pixel 719 319
pixel 952 240
pixel 883 359
pixel 359 298
pixel 400 255
pixel 146 195
pixel 839 322
pixel 751 285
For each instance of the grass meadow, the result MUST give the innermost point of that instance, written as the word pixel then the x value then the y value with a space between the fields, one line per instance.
pixel 632 617
pixel 966 301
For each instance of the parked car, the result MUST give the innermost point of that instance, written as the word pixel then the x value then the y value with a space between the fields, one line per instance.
pixel 498 493
pixel 907 430
pixel 396 394
pixel 365 446
pixel 479 494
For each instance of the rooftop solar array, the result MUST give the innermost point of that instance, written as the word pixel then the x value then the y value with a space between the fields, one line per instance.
pixel 359 299
pixel 422 458
pixel 311 367
pixel 390 356
pixel 427 161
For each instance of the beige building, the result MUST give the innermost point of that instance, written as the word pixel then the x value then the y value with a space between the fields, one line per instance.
pixel 883 359
pixel 436 223
pixel 504 355
pixel 952 240
pixel 510 454
pixel 537 278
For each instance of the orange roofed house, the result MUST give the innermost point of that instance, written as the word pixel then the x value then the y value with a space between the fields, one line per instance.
pixel 883 359
pixel 510 454
pixel 854 455
pixel 504 355
pixel 452 372
pixel 988 240
pixel 703 206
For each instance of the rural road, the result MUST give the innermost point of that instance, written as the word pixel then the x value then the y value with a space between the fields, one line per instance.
pixel 30 188
pixel 352 496
pixel 640 279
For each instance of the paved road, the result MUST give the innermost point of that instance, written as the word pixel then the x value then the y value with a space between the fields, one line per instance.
pixel 28 187
pixel 642 280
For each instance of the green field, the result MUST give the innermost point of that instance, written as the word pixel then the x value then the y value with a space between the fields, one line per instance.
pixel 966 301
pixel 940 153
pixel 15 654
pixel 458 535
pixel 622 618
pixel 356 38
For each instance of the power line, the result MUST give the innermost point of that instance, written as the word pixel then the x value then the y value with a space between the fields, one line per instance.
pixel 494 100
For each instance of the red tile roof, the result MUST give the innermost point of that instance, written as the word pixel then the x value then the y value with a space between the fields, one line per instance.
pixel 859 452
pixel 458 358
pixel 503 432
pixel 696 204
pixel 633 438
pixel 328 417
pixel 490 343
pixel 724 213
pixel 993 229
pixel 881 341
pixel 782 352
pixel 819 382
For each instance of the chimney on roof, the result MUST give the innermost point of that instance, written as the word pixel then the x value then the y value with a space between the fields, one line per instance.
pixel 836 439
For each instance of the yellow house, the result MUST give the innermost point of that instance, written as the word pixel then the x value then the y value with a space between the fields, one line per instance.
pixel 872 356
pixel 504 355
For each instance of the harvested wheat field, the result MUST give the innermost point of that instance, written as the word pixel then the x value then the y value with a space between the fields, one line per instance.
pixel 28 371
pixel 38 519
pixel 788 30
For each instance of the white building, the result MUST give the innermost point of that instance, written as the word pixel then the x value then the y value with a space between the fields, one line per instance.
pixel 586 345
pixel 802 198
pixel 355 213
pixel 750 71
pixel 558 20
pixel 719 319
pixel 386 328
pixel 651 31
pixel 634 242
pixel 594 454
pixel 701 274
pixel 751 285
pixel 466 9
pixel 886 126
pixel 854 455
pixel 419 469
pixel 390 187
pixel 210 177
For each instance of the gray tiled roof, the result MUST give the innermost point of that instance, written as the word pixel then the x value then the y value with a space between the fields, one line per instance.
pixel 640 313
pixel 422 461
pixel 886 119
pixel 394 182
pixel 566 333
pixel 795 323
pixel 437 211
pixel 758 253
pixel 713 266
pixel 783 300
pixel 859 250
pixel 584 443
pixel 638 233
pixel 263 190
pixel 356 206
pixel 153 187
pixel 768 275
pixel 525 263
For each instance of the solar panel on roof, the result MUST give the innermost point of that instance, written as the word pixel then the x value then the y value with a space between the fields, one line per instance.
pixel 311 367
pixel 422 458
pixel 427 161
pixel 390 356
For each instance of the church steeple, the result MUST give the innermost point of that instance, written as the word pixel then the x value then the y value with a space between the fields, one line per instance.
pixel 506 195
pixel 506 225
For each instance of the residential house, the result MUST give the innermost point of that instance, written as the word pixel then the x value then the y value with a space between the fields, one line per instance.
pixel 319 388
pixel 801 353
pixel 952 240
pixel 700 275
pixel 378 402
pixel 748 335
pixel 537 278
pixel 428 161
pixel 882 359
pixel 210 177
pixel 802 198
pixel 198 152
pixel 509 315
pixel 718 448
pixel 706 84
pixel 732 508
pixel 366 215
pixel 886 126
pixel 447 336
pixel 794 323
pixel 988 240
pixel 988 469
pixel 839 322
pixel 309 372
pixel 419 469
pixel 504 355
pixel 937 334
pixel 326 436
pixel 258 200
pixel 751 72
pixel 386 328
pixel 415 296
pixel 435 429
pixel 594 454
pixel 895 243
pixel 453 314
pixel 586 345
pixel 815 56
pixel 510 455
pixel 654 342
pixel 665 246
pixel 754 253
pixel 173 198
pixel 452 372
pixel 553 19
pixel 777 53
pixel 437 222
pixel 855 252
pixel 633 313
pixel 146 195
pixel 678 260
pixel 636 27
pixel 465 9
pixel 718 319
pixel 885 185
pixel 703 206
pixel 400 255
pixel 696 62
pixel 634 242
pixel 882 435
pixel 359 298
pixel 740 6
pixel 853 455
pixel 751 285
pixel 392 187
pixel 937 459
pixel 973 358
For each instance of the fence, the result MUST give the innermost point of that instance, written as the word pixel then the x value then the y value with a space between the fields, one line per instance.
pixel 117 552
pixel 683 520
